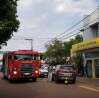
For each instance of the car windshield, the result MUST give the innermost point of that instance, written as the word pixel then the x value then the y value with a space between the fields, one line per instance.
pixel 66 67
pixel 23 57
pixel 44 68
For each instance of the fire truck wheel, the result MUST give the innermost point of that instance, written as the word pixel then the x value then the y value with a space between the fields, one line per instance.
pixel 9 78
pixel 4 77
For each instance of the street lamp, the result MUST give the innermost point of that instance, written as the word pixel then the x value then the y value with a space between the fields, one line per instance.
pixel 31 40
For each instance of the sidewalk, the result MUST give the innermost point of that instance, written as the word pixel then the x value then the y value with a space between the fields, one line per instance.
pixel 90 81
pixel 1 75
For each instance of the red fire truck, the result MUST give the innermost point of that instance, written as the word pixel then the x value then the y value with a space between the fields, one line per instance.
pixel 23 64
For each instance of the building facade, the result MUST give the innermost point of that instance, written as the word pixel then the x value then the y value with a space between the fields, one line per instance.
pixel 90 45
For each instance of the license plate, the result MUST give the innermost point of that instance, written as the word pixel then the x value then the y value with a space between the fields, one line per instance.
pixel 67 74
pixel 26 73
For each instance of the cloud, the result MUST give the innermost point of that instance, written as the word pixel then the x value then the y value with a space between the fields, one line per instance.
pixel 58 6
pixel 25 3
pixel 48 18
pixel 75 6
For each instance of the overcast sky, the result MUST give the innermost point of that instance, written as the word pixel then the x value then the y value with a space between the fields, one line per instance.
pixel 45 19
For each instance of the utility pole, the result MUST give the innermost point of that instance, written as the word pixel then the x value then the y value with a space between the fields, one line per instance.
pixel 31 41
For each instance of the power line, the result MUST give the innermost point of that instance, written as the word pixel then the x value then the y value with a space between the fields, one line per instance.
pixel 22 38
pixel 73 26
pixel 60 36
pixel 68 35
pixel 78 29
pixel 77 23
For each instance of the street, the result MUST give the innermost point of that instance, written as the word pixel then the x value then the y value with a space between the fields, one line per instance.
pixel 48 41
pixel 44 89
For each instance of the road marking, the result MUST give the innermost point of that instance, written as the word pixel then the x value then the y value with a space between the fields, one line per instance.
pixel 88 88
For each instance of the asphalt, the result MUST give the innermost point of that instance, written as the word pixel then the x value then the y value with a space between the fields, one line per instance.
pixel 45 89
pixel 90 81
pixel 85 80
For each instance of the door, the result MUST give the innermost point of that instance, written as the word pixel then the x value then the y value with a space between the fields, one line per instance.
pixel 89 68
pixel 97 68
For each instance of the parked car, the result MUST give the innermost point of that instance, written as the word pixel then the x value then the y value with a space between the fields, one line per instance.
pixel 43 71
pixel 63 72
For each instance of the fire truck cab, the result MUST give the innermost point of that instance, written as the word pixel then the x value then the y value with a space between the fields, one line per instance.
pixel 21 64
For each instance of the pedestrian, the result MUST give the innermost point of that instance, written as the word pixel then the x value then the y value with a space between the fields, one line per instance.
pixel 50 73
pixel 85 71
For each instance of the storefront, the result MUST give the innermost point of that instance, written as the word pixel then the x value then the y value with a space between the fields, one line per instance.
pixel 90 50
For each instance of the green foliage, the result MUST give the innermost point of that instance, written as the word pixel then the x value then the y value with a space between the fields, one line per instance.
pixel 55 51
pixel 58 51
pixel 8 19
pixel 78 58
pixel 68 45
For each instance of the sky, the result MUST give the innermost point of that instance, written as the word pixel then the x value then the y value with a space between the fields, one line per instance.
pixel 42 20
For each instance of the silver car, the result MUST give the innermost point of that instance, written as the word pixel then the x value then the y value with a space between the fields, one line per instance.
pixel 43 71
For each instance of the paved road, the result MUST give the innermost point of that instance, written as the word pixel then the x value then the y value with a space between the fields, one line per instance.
pixel 44 89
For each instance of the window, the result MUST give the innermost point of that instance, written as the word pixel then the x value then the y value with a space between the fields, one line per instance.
pixel 36 57
pixel 10 57
pixel 23 57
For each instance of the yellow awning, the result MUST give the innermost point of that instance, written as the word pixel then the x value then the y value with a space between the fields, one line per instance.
pixel 85 45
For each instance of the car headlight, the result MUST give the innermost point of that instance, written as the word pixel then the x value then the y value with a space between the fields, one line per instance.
pixel 14 72
pixel 36 71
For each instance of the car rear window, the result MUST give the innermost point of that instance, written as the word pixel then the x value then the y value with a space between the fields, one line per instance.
pixel 67 67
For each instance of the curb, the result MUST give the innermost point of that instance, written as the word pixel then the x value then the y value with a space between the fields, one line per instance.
pixel 80 81
pixel 87 82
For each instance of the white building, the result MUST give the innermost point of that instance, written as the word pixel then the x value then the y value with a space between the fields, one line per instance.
pixel 90 45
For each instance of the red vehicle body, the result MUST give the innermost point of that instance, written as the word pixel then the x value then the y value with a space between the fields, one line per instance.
pixel 21 64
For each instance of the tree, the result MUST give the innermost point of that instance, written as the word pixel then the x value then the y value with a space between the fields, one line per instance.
pixel 78 58
pixel 8 20
pixel 55 52
pixel 68 44
pixel 67 48
pixel 76 40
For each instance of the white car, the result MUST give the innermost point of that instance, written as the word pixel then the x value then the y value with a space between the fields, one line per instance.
pixel 43 71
